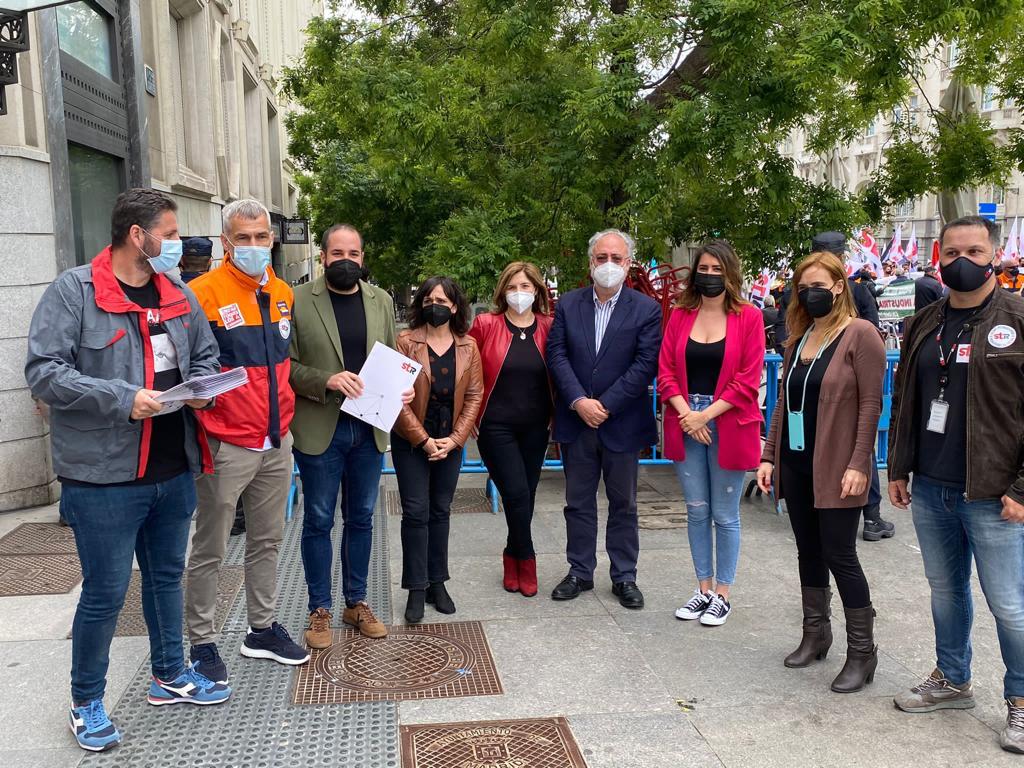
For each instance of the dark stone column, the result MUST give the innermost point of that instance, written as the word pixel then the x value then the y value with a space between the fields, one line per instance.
pixel 56 138
pixel 134 83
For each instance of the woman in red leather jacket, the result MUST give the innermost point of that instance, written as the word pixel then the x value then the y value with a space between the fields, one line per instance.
pixel 514 422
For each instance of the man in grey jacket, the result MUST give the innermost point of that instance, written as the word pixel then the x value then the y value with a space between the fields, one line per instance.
pixel 105 339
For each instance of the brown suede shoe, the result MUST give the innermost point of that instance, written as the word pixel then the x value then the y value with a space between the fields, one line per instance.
pixel 318 634
pixel 362 618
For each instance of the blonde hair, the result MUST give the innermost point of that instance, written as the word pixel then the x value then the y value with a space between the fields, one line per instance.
pixel 843 308
pixel 541 304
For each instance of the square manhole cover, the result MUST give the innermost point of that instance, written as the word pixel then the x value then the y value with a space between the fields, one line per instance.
pixel 132 623
pixel 466 500
pixel 39 539
pixel 38 574
pixel 543 743
pixel 422 661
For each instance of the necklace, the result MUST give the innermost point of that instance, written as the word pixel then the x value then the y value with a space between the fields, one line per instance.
pixel 522 331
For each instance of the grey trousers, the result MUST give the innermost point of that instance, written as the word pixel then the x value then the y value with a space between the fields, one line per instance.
pixel 262 479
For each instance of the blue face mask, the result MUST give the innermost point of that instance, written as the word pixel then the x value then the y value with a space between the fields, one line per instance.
pixel 251 259
pixel 170 255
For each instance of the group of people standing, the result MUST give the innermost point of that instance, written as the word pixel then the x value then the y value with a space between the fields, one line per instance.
pixel 107 337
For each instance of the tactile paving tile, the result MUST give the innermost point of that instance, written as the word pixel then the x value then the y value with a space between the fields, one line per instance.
pixel 466 500
pixel 421 661
pixel 39 539
pixel 542 743
pixel 260 727
pixel 38 574
pixel 131 622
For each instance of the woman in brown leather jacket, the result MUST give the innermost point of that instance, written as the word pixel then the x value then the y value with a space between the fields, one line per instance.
pixel 426 444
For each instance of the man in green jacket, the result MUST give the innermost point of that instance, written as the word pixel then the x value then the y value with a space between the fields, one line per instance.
pixel 336 321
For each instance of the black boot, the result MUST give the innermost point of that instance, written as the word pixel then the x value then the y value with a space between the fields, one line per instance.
pixel 438 596
pixel 414 606
pixel 861 651
pixel 875 528
pixel 817 637
pixel 239 525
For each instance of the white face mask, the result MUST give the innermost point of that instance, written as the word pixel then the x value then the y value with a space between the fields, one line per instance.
pixel 520 301
pixel 608 275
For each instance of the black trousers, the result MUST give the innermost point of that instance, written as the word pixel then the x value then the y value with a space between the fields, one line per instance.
pixel 426 489
pixel 826 540
pixel 873 510
pixel 586 462
pixel 514 455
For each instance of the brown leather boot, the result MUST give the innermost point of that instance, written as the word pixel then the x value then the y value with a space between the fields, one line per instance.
pixel 861 651
pixel 817 637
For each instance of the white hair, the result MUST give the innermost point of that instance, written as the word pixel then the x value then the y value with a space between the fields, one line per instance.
pixel 247 208
pixel 629 241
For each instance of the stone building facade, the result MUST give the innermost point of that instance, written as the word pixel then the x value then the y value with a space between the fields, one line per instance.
pixel 852 166
pixel 180 95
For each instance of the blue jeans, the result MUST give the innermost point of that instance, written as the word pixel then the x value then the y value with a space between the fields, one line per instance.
pixel 352 464
pixel 111 524
pixel 950 530
pixel 712 495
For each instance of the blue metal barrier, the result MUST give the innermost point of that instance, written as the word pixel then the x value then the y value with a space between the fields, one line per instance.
pixel 773 364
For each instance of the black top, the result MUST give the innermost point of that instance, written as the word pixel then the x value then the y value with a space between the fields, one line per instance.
pixel 703 365
pixel 167 456
pixel 803 461
pixel 351 318
pixel 521 395
pixel 943 458
pixel 438 421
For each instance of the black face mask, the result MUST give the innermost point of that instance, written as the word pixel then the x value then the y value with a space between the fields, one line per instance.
pixel 343 274
pixel 437 314
pixel 1012 271
pixel 963 275
pixel 817 301
pixel 709 285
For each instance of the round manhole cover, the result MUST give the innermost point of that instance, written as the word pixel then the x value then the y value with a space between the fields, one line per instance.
pixel 399 663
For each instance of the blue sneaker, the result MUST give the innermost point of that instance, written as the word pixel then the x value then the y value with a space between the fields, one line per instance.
pixel 273 643
pixel 208 662
pixel 190 687
pixel 92 727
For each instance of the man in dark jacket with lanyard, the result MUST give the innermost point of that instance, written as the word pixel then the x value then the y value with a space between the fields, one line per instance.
pixel 105 339
pixel 963 357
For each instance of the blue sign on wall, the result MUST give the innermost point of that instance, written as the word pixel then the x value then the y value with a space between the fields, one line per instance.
pixel 987 211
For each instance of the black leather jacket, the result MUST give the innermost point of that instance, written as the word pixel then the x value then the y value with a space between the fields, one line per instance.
pixel 995 398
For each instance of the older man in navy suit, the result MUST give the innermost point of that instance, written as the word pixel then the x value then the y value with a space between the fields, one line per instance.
pixel 603 354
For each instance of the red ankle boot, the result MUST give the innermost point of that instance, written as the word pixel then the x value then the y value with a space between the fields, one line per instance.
pixel 528 577
pixel 511 580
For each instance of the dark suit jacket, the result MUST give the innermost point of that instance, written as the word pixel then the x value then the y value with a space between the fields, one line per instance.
pixel 927 290
pixel 618 374
pixel 865 302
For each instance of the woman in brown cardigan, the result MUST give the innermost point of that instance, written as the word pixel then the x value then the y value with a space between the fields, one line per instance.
pixel 426 444
pixel 819 452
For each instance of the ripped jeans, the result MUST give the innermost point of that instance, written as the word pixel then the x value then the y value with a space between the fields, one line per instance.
pixel 712 496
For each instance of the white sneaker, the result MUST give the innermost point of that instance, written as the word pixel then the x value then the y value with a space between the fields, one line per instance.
pixel 717 612
pixel 696 607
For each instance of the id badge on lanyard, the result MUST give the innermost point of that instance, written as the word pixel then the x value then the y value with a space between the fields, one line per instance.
pixel 795 419
pixel 795 425
pixel 938 413
pixel 937 416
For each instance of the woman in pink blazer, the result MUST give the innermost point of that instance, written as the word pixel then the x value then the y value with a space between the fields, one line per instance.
pixel 709 371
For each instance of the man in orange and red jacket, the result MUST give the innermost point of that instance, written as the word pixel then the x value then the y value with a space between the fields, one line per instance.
pixel 250 311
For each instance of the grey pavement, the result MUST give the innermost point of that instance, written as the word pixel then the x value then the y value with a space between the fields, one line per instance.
pixel 640 689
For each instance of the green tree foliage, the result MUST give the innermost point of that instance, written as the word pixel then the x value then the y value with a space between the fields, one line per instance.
pixel 461 134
